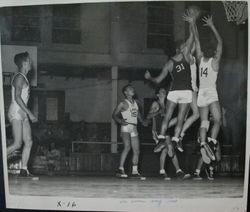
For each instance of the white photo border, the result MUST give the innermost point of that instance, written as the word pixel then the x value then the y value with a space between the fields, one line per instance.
pixel 104 204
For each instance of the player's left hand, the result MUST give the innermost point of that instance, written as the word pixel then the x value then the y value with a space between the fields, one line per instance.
pixel 33 118
pixel 188 17
pixel 195 88
pixel 208 21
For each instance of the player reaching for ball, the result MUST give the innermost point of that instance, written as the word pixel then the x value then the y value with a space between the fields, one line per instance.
pixel 180 92
pixel 209 63
pixel 189 120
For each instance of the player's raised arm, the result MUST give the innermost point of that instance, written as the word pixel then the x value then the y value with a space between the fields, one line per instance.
pixel 193 47
pixel 199 53
pixel 187 17
pixel 209 22
pixel 116 114
pixel 167 68
pixel 190 46
pixel 189 42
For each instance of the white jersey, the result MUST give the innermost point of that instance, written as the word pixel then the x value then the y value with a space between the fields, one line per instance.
pixel 207 74
pixel 131 114
pixel 15 111
pixel 25 91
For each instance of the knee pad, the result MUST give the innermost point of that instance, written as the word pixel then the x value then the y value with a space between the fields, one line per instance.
pixel 205 124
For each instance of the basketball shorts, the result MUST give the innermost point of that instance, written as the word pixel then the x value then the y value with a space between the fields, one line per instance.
pixel 180 96
pixel 206 96
pixel 131 129
pixel 16 113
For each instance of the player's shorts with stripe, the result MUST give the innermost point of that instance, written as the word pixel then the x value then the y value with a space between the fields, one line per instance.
pixel 180 96
pixel 206 96
pixel 131 129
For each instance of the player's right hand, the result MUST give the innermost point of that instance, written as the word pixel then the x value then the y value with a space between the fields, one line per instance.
pixel 123 122
pixel 188 17
pixel 147 75
pixel 33 119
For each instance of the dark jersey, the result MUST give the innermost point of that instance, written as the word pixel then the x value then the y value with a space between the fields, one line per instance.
pixel 181 75
pixel 157 120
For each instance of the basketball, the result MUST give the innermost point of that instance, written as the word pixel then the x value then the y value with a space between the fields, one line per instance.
pixel 194 11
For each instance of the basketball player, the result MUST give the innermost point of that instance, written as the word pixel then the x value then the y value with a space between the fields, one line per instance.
pixel 19 114
pixel 127 115
pixel 181 90
pixel 193 105
pixel 209 62
pixel 156 114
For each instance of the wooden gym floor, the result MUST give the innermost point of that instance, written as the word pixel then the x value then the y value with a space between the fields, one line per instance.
pixel 108 186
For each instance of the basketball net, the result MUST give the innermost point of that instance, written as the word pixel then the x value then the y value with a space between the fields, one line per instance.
pixel 236 11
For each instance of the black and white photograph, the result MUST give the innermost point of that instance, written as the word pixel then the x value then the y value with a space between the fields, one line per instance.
pixel 124 105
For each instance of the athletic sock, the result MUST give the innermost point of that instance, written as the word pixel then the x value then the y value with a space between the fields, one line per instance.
pixel 179 170
pixel 135 169
pixel 121 168
pixel 202 143
pixel 212 139
pixel 161 137
pixel 175 139
pixel 25 167
pixel 197 171
pixel 162 171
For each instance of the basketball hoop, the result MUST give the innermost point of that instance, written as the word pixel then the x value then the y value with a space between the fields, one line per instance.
pixel 236 11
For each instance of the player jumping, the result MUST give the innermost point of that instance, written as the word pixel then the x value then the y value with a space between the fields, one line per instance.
pixel 208 102
pixel 181 90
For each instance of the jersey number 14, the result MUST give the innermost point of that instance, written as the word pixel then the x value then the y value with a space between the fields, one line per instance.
pixel 204 72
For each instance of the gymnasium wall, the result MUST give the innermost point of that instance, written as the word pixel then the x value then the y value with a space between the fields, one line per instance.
pixel 232 78
pixel 83 98
pixel 119 27
pixel 115 34
pixel 90 99
pixel 108 31
pixel 234 58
